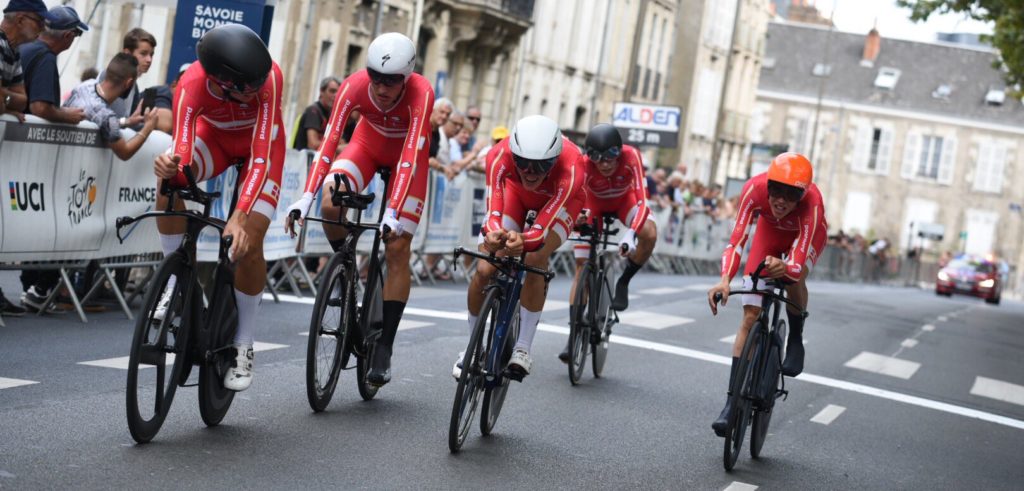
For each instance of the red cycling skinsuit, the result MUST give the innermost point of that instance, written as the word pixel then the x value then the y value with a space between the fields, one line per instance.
pixel 214 132
pixel 558 199
pixel 398 138
pixel 623 193
pixel 801 234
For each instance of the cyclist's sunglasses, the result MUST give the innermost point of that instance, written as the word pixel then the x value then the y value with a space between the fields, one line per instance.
pixel 534 167
pixel 609 154
pixel 242 89
pixel 385 79
pixel 784 191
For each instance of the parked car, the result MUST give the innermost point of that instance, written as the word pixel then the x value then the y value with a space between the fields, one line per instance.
pixel 971 275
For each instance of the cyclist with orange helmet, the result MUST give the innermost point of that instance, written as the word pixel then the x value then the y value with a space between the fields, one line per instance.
pixel 790 216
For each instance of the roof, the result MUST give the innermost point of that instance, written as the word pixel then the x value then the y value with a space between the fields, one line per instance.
pixel 923 68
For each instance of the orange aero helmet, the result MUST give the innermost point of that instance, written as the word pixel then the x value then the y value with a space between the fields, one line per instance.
pixel 791 169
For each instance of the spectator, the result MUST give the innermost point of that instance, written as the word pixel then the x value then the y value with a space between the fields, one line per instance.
pixel 710 200
pixel 439 159
pixel 39 58
pixel 314 119
pixel 141 44
pixel 22 22
pixel 473 116
pixel 97 98
pixel 442 160
pixel 498 133
pixel 465 158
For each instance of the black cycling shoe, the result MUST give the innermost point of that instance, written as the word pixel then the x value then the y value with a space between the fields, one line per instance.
pixel 621 300
pixel 564 355
pixel 380 366
pixel 793 365
pixel 721 425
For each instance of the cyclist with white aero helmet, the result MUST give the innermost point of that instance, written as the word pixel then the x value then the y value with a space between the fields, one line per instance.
pixel 791 222
pixel 534 168
pixel 393 131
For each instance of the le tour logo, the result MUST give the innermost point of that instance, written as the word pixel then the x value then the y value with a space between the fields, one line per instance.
pixel 81 198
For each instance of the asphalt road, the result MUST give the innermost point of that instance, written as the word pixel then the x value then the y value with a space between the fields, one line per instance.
pixel 902 390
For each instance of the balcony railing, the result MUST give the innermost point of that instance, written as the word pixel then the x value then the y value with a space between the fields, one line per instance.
pixel 522 9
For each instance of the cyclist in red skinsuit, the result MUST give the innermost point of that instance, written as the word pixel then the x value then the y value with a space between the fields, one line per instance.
pixel 791 221
pixel 393 131
pixel 535 168
pixel 226 108
pixel 615 183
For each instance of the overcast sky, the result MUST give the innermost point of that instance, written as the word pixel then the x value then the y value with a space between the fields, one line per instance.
pixel 859 15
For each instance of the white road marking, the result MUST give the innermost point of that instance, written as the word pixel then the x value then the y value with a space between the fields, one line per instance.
pixel 555 305
pixel 828 415
pixel 885 365
pixel 9 383
pixel 943 318
pixel 928 328
pixel 909 343
pixel 998 390
pixel 699 288
pixel 729 339
pixel 403 325
pixel 121 362
pixel 665 290
pixel 740 486
pixel 652 320
pixel 804 377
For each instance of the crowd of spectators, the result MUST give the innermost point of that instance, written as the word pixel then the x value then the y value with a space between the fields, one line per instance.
pixel 673 190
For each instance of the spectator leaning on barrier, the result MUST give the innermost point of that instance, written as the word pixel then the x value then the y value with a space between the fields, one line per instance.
pixel 313 121
pixel 39 59
pixel 473 116
pixel 141 44
pixel 466 158
pixel 22 22
pixel 439 152
pixel 479 164
pixel 96 98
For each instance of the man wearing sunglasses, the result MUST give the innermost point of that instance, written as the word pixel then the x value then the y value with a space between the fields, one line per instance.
pixel 535 168
pixel 39 59
pixel 791 221
pixel 394 131
pixel 22 22
pixel 227 108
pixel 615 183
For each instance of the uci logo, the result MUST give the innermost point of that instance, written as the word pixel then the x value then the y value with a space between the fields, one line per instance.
pixel 25 195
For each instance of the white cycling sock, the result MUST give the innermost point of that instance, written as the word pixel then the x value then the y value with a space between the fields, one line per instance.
pixel 472 322
pixel 527 328
pixel 248 307
pixel 170 242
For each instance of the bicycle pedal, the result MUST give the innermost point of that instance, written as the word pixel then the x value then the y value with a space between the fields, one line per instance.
pixel 514 374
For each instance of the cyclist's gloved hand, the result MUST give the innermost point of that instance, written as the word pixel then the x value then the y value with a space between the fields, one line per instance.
pixel 390 226
pixel 628 243
pixel 301 206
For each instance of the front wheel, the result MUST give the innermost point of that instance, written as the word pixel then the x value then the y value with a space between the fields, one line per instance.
pixel 603 321
pixel 219 333
pixel 579 326
pixel 741 391
pixel 494 395
pixel 373 321
pixel 768 386
pixel 328 330
pixel 471 379
pixel 160 345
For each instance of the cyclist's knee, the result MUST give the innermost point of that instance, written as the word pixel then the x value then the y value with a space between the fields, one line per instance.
pixel 750 314
pixel 398 250
pixel 649 232
pixel 538 259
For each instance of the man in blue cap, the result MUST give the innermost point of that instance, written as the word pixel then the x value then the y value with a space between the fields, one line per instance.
pixel 22 22
pixel 42 84
pixel 39 60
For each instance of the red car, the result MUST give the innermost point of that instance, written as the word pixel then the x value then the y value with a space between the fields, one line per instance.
pixel 969 275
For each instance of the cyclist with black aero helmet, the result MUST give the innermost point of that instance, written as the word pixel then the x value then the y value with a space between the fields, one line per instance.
pixel 615 183
pixel 227 107
pixel 534 168
pixel 791 221
pixel 393 131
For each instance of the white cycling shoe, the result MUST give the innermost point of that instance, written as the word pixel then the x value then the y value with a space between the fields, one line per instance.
pixel 239 376
pixel 521 361
pixel 165 302
pixel 457 368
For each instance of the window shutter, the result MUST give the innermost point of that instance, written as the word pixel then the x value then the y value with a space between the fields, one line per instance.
pixel 884 152
pixel 948 162
pixel 998 163
pixel 982 172
pixel 909 156
pixel 861 148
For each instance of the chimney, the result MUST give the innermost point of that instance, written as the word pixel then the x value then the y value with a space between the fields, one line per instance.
pixel 872 45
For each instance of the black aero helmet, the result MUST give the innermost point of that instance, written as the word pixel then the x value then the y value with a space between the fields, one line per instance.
pixel 603 143
pixel 234 56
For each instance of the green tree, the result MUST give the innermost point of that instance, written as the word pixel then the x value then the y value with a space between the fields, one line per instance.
pixel 1007 36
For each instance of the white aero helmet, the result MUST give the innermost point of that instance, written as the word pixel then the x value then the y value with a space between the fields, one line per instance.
pixel 391 54
pixel 536 143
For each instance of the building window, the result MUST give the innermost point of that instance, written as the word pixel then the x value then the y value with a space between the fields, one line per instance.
pixel 798 135
pixel 647 81
pixel 876 140
pixel 930 157
pixel 578 120
pixel 988 175
pixel 822 70
pixel 636 79
pixel 657 86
